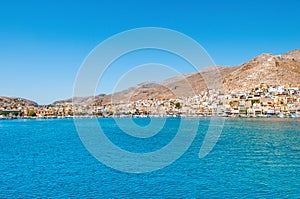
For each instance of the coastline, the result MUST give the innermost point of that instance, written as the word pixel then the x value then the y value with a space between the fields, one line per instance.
pixel 153 116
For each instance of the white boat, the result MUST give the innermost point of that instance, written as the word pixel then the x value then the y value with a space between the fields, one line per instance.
pixel 263 116
pixel 292 116
pixel 281 115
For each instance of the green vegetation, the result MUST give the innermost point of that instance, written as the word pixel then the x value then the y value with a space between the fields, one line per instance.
pixel 178 105
pixel 15 114
pixel 254 101
pixel 4 113
pixel 99 114
pixel 32 113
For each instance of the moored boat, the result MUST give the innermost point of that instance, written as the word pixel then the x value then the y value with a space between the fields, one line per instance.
pixel 281 115
pixel 263 116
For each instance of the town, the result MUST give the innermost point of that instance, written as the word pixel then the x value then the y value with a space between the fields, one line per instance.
pixel 262 101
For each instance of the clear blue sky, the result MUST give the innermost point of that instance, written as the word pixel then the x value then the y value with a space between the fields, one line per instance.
pixel 43 43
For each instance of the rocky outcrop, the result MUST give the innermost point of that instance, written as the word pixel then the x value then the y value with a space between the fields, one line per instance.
pixel 265 69
pixel 15 102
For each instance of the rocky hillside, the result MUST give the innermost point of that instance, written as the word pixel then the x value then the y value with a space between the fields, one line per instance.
pixel 14 102
pixel 266 68
pixel 179 86
pixel 293 55
pixel 80 100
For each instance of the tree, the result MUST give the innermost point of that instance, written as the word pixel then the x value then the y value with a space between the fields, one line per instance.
pixel 178 105
pixel 15 114
pixel 4 113
pixel 254 101
pixel 99 114
pixel 32 113
pixel 70 113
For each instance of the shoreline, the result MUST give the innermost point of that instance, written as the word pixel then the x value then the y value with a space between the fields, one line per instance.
pixel 152 116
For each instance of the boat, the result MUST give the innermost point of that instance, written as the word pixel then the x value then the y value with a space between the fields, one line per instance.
pixel 243 116
pixel 292 116
pixel 263 116
pixel 281 115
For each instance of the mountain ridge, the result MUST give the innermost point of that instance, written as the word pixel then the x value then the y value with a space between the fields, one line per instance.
pixel 263 69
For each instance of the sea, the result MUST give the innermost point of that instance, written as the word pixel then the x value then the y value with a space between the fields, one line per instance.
pixel 252 158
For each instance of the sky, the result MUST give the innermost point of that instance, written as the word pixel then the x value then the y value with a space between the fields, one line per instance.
pixel 44 43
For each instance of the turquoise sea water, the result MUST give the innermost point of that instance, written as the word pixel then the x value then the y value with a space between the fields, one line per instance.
pixel 254 158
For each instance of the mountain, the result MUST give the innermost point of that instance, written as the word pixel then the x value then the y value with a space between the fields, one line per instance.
pixel 266 68
pixel 80 100
pixel 14 102
pixel 176 87
pixel 294 55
